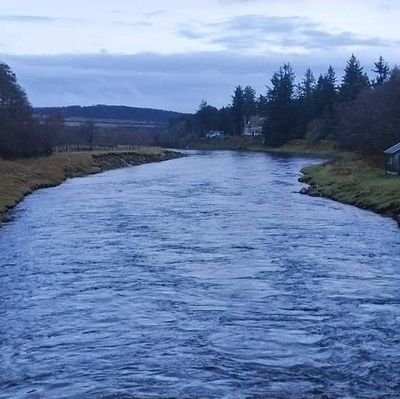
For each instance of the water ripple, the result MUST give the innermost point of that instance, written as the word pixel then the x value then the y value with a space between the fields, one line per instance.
pixel 203 277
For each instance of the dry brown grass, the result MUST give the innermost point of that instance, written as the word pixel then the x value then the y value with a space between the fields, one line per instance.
pixel 22 176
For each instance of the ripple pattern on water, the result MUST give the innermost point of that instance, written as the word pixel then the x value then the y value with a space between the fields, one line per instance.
pixel 203 277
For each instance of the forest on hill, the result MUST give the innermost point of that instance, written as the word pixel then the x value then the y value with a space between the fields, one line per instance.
pixel 27 132
pixel 359 112
pixel 115 112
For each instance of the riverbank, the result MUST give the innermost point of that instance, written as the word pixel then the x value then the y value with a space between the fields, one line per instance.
pixel 348 177
pixel 240 143
pixel 21 177
pixel 356 180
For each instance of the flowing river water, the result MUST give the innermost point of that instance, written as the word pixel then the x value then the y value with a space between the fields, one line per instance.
pixel 203 277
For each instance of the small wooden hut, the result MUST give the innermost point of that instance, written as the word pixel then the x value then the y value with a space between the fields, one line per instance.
pixel 392 160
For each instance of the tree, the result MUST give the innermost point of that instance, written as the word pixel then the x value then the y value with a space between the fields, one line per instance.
pixel 206 117
pixel 325 98
pixel 238 102
pixel 372 121
pixel 281 119
pixel 382 71
pixel 306 102
pixel 395 74
pixel 249 102
pixel 225 120
pixel 355 80
pixel 326 93
pixel 19 134
pixel 88 130
pixel 52 126
pixel 307 86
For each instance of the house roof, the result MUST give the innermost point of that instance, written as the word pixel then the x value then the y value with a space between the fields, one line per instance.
pixel 393 150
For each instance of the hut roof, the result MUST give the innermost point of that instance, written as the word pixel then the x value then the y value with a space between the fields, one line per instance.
pixel 393 150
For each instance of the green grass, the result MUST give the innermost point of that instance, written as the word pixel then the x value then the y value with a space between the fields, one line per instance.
pixel 358 181
pixel 322 147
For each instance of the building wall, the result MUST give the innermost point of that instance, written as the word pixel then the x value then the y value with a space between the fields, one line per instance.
pixel 393 163
pixel 397 162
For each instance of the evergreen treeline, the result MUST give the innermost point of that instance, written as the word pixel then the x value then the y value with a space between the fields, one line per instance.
pixel 359 112
pixel 20 134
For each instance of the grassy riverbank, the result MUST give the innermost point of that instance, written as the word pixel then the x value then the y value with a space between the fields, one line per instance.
pixel 356 180
pixel 240 143
pixel 303 147
pixel 21 177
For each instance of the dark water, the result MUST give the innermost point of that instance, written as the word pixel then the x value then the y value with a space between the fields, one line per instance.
pixel 204 277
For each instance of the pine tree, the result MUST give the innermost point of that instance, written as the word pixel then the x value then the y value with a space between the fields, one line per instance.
pixel 206 117
pixel 238 102
pixel 307 86
pixel 326 93
pixel 306 102
pixel 382 71
pixel 355 80
pixel 395 74
pixel 249 102
pixel 281 121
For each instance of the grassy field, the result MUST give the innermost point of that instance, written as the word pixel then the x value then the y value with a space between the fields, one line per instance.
pixel 20 177
pixel 356 180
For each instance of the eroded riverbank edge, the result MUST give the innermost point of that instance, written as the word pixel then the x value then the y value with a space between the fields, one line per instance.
pixel 355 180
pixel 21 177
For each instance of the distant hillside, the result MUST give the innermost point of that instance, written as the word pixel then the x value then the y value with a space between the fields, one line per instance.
pixel 112 112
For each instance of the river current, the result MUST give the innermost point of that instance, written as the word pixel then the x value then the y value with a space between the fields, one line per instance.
pixel 202 277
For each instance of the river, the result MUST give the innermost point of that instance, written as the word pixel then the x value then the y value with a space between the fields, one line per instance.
pixel 202 277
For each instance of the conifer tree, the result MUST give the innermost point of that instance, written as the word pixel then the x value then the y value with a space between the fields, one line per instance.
pixel 238 101
pixel 355 80
pixel 382 71
pixel 281 120
pixel 249 102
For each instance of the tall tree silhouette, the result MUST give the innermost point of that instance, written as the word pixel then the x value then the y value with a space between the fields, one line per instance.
pixel 281 119
pixel 382 71
pixel 238 103
pixel 355 80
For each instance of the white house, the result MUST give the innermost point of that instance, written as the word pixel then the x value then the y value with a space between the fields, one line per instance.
pixel 254 126
pixel 215 134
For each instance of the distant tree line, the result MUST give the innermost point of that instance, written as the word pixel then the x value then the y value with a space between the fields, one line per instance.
pixel 116 112
pixel 26 132
pixel 358 112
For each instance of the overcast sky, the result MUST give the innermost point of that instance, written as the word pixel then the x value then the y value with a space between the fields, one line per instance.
pixel 171 54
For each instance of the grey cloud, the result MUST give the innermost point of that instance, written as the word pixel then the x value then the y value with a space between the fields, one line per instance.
pixel 316 38
pixel 26 18
pixel 177 81
pixel 263 24
pixel 190 34
pixel 37 19
pixel 253 31
pixel 155 13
